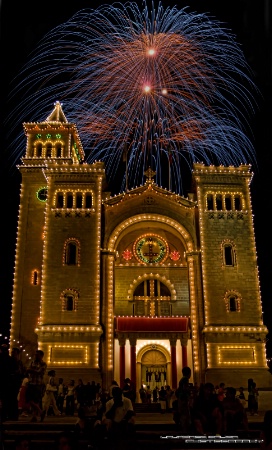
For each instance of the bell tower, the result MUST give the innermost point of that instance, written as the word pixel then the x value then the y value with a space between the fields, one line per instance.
pixel 234 331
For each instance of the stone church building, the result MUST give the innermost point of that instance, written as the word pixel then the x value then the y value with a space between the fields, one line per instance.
pixel 139 284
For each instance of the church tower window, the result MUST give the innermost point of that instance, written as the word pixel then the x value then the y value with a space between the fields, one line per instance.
pixel 35 278
pixel 228 205
pixel 58 151
pixel 88 200
pixel 71 253
pixel 210 202
pixel 69 300
pixel 232 304
pixel 69 200
pixel 219 202
pixel 69 303
pixel 39 150
pixel 78 200
pixel 237 203
pixel 48 150
pixel 229 255
pixel 59 200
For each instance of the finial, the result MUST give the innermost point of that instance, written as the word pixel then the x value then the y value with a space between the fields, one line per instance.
pixel 149 173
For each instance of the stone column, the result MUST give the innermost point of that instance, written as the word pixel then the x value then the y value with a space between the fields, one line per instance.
pixel 184 355
pixel 173 343
pixel 122 361
pixel 132 341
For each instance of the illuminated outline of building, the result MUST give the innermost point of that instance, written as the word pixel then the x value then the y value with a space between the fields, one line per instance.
pixel 140 284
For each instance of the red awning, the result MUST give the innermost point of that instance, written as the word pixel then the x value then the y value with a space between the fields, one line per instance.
pixel 157 324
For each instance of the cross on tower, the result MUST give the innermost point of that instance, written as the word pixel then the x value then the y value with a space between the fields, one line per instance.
pixel 149 173
pixel 150 253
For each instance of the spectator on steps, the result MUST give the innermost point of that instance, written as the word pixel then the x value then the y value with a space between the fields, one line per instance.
pixel 235 417
pixel 207 411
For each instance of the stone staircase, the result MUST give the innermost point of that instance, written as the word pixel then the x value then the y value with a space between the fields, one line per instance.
pixel 149 408
pixel 153 429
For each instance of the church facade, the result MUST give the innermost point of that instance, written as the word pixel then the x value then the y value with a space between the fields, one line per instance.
pixel 140 284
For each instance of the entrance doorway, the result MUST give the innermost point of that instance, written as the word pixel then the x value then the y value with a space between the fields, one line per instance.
pixel 154 369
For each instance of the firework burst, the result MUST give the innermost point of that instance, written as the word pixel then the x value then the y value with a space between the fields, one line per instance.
pixel 162 87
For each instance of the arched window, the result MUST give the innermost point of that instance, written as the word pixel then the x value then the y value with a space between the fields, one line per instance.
pixel 70 303
pixel 39 150
pixel 233 301
pixel 228 205
pixel 71 253
pixel 69 200
pixel 69 300
pixel 58 151
pixel 59 200
pixel 78 200
pixel 232 304
pixel 229 255
pixel 35 277
pixel 152 298
pixel 88 200
pixel 210 202
pixel 219 202
pixel 237 203
pixel 48 153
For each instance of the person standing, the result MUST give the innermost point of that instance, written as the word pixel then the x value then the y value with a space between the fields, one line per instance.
pixel 142 393
pixel 49 395
pixel 183 395
pixel 60 395
pixel 162 399
pixel 148 394
pixel 22 404
pixel 80 394
pixel 70 399
pixel 155 394
pixel 16 378
pixel 36 387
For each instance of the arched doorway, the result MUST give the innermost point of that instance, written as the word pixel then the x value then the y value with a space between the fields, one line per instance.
pixel 155 366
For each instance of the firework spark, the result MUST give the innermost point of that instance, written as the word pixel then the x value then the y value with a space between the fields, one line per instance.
pixel 161 86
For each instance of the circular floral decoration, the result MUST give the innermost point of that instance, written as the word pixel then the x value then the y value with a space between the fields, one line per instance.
pixel 174 255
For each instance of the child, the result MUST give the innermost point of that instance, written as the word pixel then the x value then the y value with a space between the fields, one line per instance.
pixel 22 403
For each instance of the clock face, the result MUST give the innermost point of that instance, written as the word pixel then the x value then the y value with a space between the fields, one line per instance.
pixel 150 248
pixel 42 194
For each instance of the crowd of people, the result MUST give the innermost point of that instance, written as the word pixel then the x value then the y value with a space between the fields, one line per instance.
pixel 213 409
pixel 34 392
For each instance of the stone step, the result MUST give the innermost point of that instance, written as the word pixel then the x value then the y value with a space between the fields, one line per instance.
pixel 147 407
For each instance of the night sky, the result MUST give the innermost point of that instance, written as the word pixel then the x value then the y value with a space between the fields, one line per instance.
pixel 24 23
